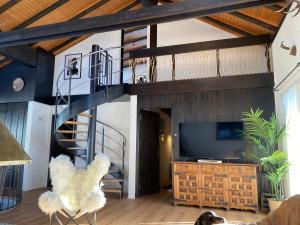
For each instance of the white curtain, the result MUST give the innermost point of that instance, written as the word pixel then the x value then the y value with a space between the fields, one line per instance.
pixel 291 104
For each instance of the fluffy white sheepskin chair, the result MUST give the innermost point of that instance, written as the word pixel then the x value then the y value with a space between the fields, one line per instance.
pixel 75 191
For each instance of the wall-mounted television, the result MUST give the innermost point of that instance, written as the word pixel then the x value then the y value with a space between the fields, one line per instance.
pixel 229 130
pixel 211 140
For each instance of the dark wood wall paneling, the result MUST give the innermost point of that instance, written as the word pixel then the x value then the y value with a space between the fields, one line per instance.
pixel 38 80
pixel 225 104
pixel 14 116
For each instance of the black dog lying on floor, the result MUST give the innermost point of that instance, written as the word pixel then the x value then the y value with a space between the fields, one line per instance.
pixel 209 218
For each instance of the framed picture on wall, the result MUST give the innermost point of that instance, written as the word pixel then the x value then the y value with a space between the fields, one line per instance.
pixel 74 66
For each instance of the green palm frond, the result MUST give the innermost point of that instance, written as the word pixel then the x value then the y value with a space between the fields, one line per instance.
pixel 266 135
pixel 278 166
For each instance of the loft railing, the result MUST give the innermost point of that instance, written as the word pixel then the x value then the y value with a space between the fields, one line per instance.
pixel 226 57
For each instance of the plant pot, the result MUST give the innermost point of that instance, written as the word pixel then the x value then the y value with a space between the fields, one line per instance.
pixel 274 204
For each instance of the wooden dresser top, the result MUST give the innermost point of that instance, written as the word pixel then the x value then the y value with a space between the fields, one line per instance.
pixel 228 164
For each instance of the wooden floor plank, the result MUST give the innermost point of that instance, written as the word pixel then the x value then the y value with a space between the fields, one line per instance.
pixel 154 209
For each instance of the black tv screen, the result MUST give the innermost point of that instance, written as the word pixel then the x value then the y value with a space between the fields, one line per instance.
pixel 229 130
pixel 211 140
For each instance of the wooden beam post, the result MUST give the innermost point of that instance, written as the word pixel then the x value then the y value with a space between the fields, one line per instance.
pixel 153 60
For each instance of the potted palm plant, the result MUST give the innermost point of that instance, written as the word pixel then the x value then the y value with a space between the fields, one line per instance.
pixel 266 137
pixel 277 166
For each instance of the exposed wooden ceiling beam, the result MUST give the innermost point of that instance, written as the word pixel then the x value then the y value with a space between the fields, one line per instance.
pixel 90 9
pixel 254 21
pixel 22 53
pixel 42 14
pixel 20 49
pixel 63 44
pixel 129 50
pixel 149 3
pixel 5 63
pixel 202 46
pixel 122 20
pixel 83 13
pixel 134 29
pixel 3 59
pixel 8 5
pixel 132 40
pixel 225 26
pixel 165 1
pixel 274 7
pixel 72 39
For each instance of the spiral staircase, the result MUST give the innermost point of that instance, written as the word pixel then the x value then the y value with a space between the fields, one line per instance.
pixel 78 131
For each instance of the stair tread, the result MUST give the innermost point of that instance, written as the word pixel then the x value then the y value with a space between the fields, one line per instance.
pixel 114 171
pixel 76 148
pixel 71 131
pixel 86 115
pixel 71 140
pixel 112 190
pixel 111 180
pixel 75 123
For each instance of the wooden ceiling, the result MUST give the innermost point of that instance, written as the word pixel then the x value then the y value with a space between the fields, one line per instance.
pixel 20 14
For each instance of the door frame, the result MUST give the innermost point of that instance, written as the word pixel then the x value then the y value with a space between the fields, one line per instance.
pixel 139 110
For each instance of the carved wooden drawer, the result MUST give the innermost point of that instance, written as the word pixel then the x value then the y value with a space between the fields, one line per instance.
pixel 186 167
pixel 187 180
pixel 214 198
pixel 243 200
pixel 241 170
pixel 242 183
pixel 213 168
pixel 214 181
pixel 188 194
pixel 242 191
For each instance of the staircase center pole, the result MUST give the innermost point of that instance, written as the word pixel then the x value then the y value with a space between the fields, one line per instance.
pixel 94 73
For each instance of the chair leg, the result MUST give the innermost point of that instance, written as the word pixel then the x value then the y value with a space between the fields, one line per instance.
pixel 51 219
pixel 58 220
pixel 95 219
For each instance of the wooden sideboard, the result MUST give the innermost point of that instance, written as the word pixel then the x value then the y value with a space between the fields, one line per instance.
pixel 221 185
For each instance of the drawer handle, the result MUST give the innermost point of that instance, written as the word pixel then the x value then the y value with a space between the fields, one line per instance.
pixel 249 177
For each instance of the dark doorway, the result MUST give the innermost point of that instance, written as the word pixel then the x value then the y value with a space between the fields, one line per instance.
pixel 149 148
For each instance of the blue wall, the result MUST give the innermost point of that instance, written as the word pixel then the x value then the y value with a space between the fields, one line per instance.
pixel 38 80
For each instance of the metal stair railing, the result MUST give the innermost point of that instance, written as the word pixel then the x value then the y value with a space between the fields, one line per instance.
pixel 101 142
pixel 64 98
pixel 103 78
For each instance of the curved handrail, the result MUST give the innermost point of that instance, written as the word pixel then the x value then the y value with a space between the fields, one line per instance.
pixel 80 58
pixel 88 102
pixel 88 55
pixel 104 124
